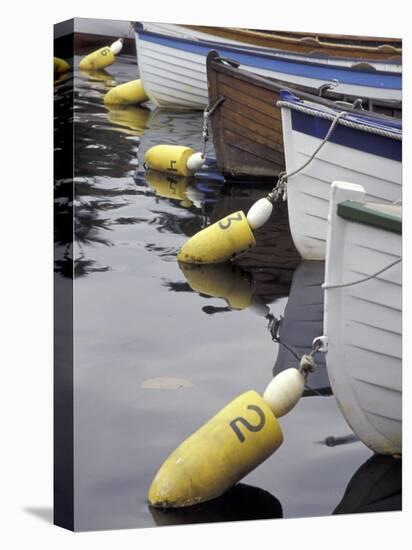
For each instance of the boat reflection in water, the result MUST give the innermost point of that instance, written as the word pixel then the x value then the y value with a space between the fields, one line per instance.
pixel 302 322
pixel 375 487
pixel 242 502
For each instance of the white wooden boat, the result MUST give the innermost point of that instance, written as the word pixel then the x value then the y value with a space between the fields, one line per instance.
pixel 172 65
pixel 364 148
pixel 362 322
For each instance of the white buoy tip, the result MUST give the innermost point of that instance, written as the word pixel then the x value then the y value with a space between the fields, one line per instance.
pixel 284 391
pixel 259 213
pixel 195 162
pixel 117 46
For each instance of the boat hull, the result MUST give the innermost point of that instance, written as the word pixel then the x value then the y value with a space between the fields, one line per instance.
pixel 173 69
pixel 247 126
pixel 308 43
pixel 362 324
pixel 351 155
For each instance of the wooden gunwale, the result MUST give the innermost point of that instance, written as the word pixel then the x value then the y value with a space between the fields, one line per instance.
pixel 247 126
pixel 304 93
pixel 310 43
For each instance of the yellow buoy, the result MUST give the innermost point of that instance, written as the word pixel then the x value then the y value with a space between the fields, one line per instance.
pixel 173 159
pixel 60 65
pixel 213 246
pixel 239 438
pixel 101 58
pixel 128 93
pixel 220 281
pixel 219 242
pixel 169 158
pixel 169 187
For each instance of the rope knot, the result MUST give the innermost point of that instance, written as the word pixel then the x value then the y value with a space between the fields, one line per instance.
pixel 306 365
pixel 280 190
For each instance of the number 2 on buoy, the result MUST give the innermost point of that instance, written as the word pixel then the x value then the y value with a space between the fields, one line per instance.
pixel 247 424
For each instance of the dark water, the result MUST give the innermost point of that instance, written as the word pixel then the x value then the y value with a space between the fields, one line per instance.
pixel 139 317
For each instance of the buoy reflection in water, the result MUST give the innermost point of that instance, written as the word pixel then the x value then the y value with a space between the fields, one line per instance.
pixel 242 502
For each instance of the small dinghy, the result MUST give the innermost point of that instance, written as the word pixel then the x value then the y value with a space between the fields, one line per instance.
pixel 172 65
pixel 363 147
pixel 363 315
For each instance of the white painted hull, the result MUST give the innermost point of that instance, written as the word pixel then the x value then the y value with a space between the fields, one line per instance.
pixel 308 191
pixel 172 78
pixel 363 325
pixel 176 78
pixel 180 31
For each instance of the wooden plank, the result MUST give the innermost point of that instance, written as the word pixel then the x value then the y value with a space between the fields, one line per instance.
pixel 313 43
pixel 258 150
pixel 271 138
pixel 264 94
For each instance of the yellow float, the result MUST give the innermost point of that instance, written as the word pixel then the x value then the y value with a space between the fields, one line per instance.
pixel 219 242
pixel 213 459
pixel 101 58
pixel 60 65
pixel 226 238
pixel 173 159
pixel 128 93
pixel 229 446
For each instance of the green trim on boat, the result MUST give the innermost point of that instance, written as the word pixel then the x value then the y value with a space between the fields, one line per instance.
pixel 383 216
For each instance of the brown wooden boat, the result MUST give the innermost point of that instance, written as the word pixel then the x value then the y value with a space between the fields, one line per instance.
pixel 330 45
pixel 247 125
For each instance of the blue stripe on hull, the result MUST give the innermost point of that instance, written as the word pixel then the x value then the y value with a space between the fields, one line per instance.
pixel 342 135
pixel 307 69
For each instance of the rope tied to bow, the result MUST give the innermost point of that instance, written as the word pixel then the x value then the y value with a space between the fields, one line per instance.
pixel 207 113
pixel 280 189
pixel 307 363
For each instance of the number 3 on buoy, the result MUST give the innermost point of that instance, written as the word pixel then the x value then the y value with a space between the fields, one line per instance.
pixel 226 222
pixel 219 242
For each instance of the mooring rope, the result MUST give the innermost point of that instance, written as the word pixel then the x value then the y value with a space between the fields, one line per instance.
pixel 207 113
pixel 280 187
pixel 328 116
pixel 306 362
pixel 364 279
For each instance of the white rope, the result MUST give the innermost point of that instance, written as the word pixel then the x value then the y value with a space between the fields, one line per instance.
pixel 280 188
pixel 355 125
pixel 364 279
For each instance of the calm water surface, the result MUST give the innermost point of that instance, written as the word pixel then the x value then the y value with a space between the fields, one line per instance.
pixel 139 317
